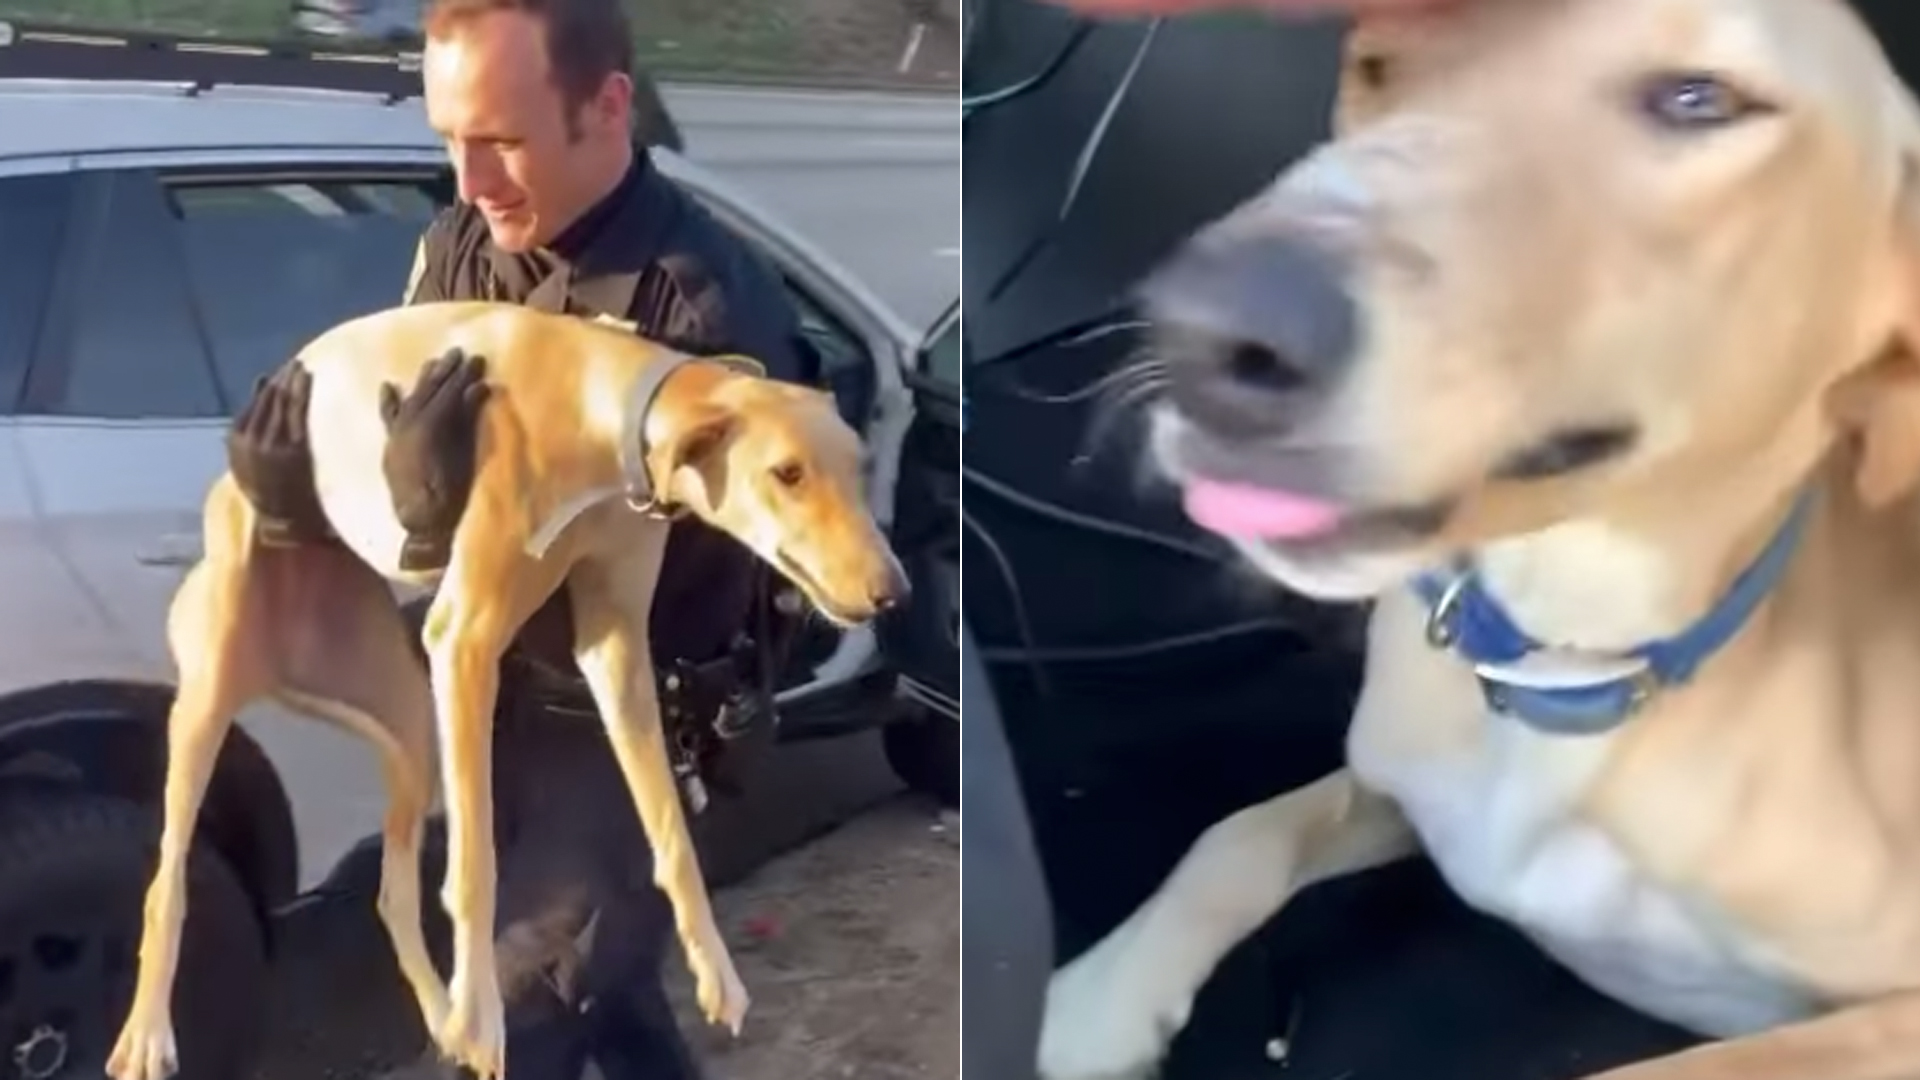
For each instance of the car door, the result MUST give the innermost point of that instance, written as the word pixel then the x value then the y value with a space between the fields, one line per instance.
pixel 51 630
pixel 922 640
pixel 118 428
pixel 177 288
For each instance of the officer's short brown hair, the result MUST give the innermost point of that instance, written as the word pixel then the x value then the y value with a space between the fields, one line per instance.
pixel 587 40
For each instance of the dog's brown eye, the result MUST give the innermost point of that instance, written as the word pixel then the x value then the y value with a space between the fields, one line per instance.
pixel 789 473
pixel 1373 70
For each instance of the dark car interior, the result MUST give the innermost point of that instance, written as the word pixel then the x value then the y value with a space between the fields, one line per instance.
pixel 1148 687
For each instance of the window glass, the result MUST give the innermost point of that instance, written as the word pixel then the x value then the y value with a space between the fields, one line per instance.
pixel 840 349
pixel 846 368
pixel 126 347
pixel 274 263
pixel 943 353
pixel 33 210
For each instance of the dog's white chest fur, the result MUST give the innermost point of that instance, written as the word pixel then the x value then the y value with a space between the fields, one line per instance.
pixel 352 485
pixel 1496 807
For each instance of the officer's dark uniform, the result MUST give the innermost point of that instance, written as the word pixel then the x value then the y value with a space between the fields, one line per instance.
pixel 574 862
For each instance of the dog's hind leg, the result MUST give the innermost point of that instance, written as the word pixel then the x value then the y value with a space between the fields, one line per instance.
pixel 1112 1011
pixel 611 598
pixel 348 659
pixel 216 628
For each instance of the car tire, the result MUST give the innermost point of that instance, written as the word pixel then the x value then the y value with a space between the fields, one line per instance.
pixel 74 868
pixel 924 752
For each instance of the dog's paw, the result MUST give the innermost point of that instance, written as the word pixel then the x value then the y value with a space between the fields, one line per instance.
pixel 722 996
pixel 475 1033
pixel 1107 1019
pixel 144 1051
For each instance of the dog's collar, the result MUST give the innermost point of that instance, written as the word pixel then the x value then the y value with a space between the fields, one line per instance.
pixel 641 490
pixel 1574 692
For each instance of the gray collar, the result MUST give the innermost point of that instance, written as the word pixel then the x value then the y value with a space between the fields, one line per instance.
pixel 640 489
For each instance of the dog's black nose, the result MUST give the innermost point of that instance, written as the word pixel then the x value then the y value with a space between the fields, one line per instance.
pixel 1254 331
pixel 891 594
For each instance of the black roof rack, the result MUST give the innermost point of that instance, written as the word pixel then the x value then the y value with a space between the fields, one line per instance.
pixel 52 50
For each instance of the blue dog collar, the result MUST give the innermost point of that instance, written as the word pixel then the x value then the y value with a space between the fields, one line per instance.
pixel 1572 692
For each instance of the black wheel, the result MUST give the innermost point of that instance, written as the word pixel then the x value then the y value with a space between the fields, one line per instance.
pixel 73 876
pixel 924 752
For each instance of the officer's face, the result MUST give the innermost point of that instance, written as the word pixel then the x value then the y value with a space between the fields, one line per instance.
pixel 519 161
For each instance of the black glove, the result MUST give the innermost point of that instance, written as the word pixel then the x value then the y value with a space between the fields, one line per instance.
pixel 271 462
pixel 429 459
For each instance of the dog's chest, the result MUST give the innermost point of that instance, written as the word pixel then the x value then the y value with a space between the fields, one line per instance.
pixel 1496 806
pixel 348 440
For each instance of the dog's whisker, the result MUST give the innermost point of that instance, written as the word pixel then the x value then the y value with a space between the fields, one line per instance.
pixel 1117 378
pixel 1110 419
pixel 1127 393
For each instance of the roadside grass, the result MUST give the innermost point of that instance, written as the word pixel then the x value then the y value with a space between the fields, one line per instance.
pixel 710 38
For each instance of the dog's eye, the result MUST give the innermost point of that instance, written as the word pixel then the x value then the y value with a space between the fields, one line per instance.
pixel 1567 452
pixel 1373 70
pixel 1692 101
pixel 789 474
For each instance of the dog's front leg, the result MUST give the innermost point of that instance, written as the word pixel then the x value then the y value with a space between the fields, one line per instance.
pixel 463 655
pixel 610 603
pixel 1112 1011
pixel 488 592
pixel 1875 1041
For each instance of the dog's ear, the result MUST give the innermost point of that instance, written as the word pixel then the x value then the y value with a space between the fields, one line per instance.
pixel 696 444
pixel 697 441
pixel 1880 402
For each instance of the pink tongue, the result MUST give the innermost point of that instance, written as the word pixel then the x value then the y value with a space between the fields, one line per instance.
pixel 1257 513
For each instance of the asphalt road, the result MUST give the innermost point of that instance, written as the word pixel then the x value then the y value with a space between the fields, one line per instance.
pixel 872 178
pixel 875 181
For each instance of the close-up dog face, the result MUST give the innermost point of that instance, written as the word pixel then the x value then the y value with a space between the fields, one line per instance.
pixel 1563 259
pixel 776 467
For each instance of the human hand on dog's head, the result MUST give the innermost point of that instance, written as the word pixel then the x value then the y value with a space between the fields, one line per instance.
pixel 776 467
pixel 1121 8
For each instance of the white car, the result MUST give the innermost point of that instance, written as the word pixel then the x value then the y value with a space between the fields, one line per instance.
pixel 170 235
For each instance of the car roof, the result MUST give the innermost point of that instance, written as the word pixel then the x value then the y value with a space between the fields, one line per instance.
pixel 59 117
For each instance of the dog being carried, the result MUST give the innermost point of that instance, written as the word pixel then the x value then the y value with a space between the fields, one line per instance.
pixel 590 440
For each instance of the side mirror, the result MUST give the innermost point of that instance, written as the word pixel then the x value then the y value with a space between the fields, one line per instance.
pixel 653 125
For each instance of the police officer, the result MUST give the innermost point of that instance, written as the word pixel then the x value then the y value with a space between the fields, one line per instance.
pixel 559 209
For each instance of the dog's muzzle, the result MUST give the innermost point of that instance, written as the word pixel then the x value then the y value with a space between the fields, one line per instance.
pixel 1256 332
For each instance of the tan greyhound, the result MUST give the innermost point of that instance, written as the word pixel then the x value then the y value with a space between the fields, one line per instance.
pixel 1588 348
pixel 590 438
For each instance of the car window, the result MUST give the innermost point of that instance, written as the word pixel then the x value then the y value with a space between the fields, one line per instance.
pixel 942 356
pixel 33 210
pixel 846 368
pixel 274 262
pixel 840 348
pixel 124 346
